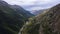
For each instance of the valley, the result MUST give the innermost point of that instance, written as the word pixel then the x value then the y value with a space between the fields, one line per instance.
pixel 14 19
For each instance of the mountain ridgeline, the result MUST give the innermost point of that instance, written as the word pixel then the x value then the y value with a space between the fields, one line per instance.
pixel 45 23
pixel 12 18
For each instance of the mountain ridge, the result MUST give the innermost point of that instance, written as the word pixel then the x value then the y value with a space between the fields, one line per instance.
pixel 11 20
pixel 45 23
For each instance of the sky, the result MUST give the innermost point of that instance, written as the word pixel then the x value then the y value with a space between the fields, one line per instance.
pixel 34 4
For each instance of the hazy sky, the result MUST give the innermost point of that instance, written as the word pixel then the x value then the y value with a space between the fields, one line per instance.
pixel 34 4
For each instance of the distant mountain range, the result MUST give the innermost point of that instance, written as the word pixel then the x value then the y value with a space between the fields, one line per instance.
pixel 36 12
pixel 12 18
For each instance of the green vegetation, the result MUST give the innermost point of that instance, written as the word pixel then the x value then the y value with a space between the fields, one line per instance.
pixel 12 19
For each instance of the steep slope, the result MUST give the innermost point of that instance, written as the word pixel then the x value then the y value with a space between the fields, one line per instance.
pixel 11 20
pixel 22 11
pixel 46 23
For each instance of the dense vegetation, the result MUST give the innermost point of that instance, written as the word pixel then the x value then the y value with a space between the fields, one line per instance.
pixel 11 18
pixel 45 23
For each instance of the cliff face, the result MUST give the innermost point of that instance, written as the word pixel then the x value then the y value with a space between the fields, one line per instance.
pixel 46 23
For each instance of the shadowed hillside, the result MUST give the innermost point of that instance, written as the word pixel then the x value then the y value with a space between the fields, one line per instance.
pixel 11 18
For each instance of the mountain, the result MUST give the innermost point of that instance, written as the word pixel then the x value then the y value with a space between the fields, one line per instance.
pixel 22 11
pixel 12 18
pixel 36 12
pixel 45 23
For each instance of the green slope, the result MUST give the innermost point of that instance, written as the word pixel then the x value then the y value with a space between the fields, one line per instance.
pixel 11 20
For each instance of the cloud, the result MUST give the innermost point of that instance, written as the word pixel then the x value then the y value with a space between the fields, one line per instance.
pixel 28 2
pixel 36 8
pixel 20 2
pixel 34 4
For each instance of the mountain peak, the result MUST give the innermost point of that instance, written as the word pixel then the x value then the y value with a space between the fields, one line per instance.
pixel 3 3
